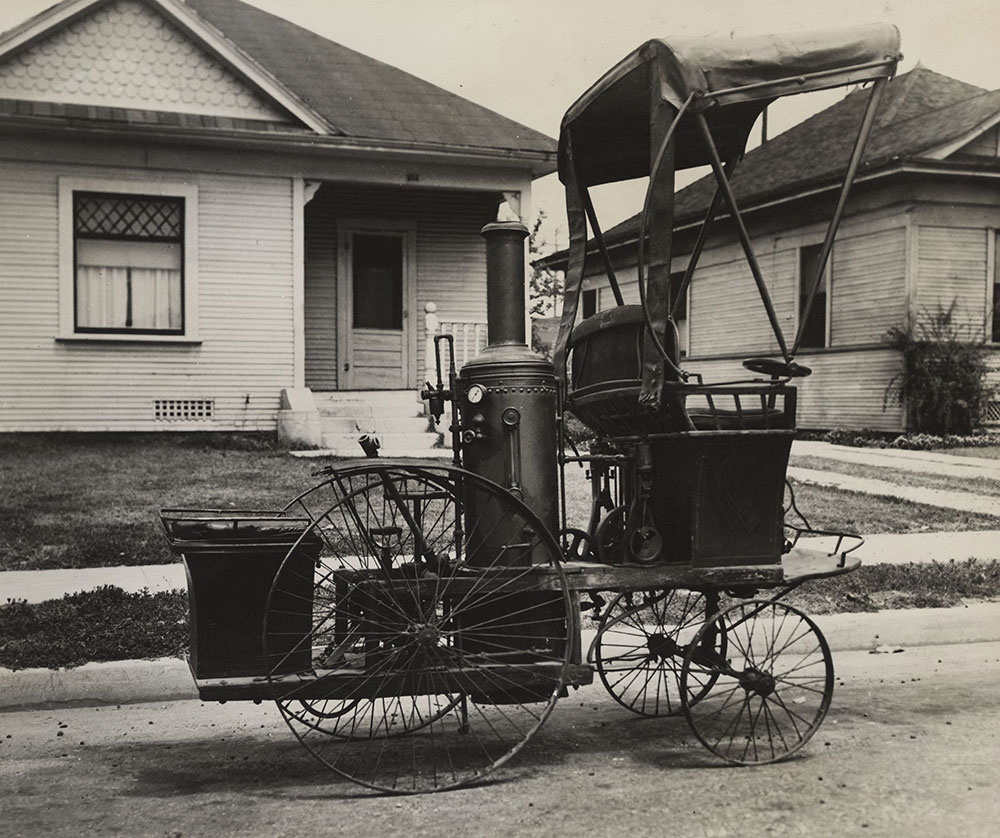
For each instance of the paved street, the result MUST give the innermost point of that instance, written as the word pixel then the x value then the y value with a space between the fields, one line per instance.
pixel 911 747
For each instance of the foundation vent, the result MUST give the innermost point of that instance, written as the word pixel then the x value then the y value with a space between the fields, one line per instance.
pixel 993 413
pixel 184 410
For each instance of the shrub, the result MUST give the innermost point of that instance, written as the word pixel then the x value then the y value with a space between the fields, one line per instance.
pixel 866 438
pixel 943 381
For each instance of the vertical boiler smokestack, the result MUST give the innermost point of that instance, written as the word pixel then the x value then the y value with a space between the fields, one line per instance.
pixel 505 282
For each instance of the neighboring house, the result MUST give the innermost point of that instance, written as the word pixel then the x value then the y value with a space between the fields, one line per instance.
pixel 203 205
pixel 920 232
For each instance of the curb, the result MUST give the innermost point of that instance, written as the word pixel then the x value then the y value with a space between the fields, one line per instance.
pixel 115 682
pixel 169 679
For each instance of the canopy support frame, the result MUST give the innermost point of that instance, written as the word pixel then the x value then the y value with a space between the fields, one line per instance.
pixel 730 197
pixel 864 133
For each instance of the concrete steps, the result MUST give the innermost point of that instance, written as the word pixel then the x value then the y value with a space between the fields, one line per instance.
pixel 396 417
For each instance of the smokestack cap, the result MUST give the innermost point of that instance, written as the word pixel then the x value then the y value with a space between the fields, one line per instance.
pixel 504 227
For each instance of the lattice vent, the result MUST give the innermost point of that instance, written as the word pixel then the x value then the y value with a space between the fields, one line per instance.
pixel 993 413
pixel 185 410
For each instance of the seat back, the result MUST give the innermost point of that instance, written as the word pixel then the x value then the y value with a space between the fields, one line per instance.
pixel 607 347
pixel 606 376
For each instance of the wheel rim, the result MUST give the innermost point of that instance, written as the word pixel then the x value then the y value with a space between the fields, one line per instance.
pixel 772 689
pixel 421 617
pixel 641 643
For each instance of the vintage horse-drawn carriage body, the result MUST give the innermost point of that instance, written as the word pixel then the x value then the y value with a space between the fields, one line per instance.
pixel 416 622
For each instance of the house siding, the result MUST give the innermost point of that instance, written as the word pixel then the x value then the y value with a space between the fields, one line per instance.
pixel 868 287
pixel 985 145
pixel 246 352
pixel 450 256
pixel 952 269
pixel 320 320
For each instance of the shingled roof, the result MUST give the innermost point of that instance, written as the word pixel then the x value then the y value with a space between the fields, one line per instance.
pixel 922 110
pixel 359 98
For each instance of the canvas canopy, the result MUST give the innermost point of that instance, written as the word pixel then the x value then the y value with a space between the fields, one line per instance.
pixel 731 81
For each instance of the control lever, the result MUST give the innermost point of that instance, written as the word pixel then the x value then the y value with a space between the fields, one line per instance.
pixel 437 396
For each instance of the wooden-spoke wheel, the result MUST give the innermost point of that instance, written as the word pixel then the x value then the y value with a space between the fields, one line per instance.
pixel 641 642
pixel 772 686
pixel 425 601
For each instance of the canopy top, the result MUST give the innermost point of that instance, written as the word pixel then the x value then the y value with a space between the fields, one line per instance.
pixel 731 80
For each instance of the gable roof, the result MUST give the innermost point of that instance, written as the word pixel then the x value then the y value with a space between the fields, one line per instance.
pixel 922 112
pixel 331 89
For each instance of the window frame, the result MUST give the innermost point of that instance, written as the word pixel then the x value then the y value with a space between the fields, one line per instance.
pixel 992 326
pixel 69 187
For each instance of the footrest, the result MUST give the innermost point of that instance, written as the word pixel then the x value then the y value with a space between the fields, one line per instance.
pixel 802 563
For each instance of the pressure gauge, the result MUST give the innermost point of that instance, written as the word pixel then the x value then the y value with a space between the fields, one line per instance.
pixel 475 394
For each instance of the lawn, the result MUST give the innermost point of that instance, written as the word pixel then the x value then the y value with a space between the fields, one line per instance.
pixel 91 500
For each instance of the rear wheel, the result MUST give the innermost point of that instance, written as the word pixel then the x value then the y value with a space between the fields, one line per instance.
pixel 772 687
pixel 436 608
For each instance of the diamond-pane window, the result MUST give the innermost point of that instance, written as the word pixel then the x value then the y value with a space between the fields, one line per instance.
pixel 129 216
pixel 129 258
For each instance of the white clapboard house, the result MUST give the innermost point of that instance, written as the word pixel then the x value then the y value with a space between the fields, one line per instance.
pixel 208 214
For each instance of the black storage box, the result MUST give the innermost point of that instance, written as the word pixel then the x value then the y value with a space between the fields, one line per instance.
pixel 232 559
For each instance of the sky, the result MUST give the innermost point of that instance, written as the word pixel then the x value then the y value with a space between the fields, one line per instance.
pixel 530 59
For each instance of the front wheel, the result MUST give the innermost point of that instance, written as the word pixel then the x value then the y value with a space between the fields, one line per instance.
pixel 641 642
pixel 772 686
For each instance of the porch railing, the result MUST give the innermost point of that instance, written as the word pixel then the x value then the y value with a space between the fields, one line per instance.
pixel 469 333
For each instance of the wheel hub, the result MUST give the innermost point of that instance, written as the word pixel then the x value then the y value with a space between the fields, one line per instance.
pixel 662 647
pixel 755 681
pixel 427 636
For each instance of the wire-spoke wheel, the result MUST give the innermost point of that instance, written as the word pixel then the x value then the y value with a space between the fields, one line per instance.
pixel 437 608
pixel 641 642
pixel 773 684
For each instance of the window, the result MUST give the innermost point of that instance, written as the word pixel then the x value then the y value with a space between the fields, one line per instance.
pixel 589 302
pixel 377 271
pixel 126 261
pixel 129 263
pixel 814 323
pixel 681 313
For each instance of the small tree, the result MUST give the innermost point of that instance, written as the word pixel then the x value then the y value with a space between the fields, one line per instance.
pixel 943 381
pixel 546 286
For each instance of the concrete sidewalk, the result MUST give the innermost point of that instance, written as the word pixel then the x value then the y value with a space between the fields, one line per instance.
pixel 885 548
pixel 40 585
pixel 927 462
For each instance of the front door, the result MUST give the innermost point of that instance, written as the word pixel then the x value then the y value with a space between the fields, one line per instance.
pixel 374 311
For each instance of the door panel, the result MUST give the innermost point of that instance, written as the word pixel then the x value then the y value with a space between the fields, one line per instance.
pixel 374 334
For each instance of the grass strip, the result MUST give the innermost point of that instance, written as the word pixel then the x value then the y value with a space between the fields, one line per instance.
pixel 108 624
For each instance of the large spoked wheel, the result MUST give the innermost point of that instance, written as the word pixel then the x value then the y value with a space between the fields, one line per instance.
pixel 420 632
pixel 772 687
pixel 641 642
